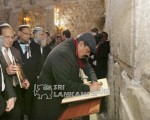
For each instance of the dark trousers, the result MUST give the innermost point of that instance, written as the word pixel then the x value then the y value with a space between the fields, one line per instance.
pixel 29 97
pixel 14 114
pixel 2 104
pixel 46 109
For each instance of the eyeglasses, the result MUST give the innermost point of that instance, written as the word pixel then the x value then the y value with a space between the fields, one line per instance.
pixel 7 37
pixel 26 33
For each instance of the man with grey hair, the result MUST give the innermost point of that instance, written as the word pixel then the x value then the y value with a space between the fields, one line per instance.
pixel 39 35
pixel 40 42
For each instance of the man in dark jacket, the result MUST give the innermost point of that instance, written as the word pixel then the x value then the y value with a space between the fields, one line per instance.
pixel 103 49
pixel 31 59
pixel 62 68
pixel 8 59
pixel 40 42
pixel 7 94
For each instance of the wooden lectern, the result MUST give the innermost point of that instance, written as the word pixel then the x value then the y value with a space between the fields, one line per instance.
pixel 82 108
pixel 84 105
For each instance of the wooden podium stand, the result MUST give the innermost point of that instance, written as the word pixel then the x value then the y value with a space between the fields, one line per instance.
pixel 81 108
pixel 85 104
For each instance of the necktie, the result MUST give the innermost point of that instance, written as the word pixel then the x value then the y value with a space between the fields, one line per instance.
pixel 27 48
pixel 15 81
pixel 7 57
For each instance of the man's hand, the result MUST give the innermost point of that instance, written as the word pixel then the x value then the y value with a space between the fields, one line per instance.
pixel 10 104
pixel 12 69
pixel 26 84
pixel 94 86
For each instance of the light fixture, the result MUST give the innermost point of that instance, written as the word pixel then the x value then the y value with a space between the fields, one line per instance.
pixel 26 19
pixel 59 23
pixel 57 17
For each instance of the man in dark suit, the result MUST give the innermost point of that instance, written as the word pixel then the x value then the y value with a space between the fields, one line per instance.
pixel 2 105
pixel 7 95
pixel 101 56
pixel 7 101
pixel 62 68
pixel 100 63
pixel 8 57
pixel 31 59
pixel 40 42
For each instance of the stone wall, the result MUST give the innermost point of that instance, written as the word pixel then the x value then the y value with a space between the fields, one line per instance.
pixel 77 15
pixel 81 15
pixel 127 23
pixel 4 15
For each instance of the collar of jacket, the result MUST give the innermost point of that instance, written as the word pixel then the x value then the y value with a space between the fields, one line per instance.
pixel 72 47
pixel 74 44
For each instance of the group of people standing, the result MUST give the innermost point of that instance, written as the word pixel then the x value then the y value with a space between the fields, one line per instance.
pixel 54 61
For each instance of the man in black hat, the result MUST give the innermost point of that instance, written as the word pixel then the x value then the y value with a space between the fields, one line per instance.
pixel 66 35
pixel 62 68
pixel 97 35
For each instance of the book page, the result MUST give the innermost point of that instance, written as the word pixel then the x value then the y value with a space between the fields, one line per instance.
pixel 103 91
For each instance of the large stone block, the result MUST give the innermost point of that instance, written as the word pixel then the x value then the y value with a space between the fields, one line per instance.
pixel 121 29
pixel 145 76
pixel 124 111
pixel 134 99
pixel 111 98
pixel 142 28
pixel 139 102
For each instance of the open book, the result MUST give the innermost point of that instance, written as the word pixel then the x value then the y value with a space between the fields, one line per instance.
pixel 20 74
pixel 103 91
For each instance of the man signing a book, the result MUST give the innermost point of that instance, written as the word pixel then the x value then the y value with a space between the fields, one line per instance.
pixel 62 68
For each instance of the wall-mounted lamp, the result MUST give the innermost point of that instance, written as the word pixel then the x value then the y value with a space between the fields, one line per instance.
pixel 58 20
pixel 26 19
pixel 57 17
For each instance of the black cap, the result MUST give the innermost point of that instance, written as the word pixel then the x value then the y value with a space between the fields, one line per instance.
pixel 89 40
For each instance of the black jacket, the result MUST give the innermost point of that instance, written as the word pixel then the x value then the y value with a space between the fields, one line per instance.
pixel 60 68
pixel 2 100
pixel 31 66
pixel 102 60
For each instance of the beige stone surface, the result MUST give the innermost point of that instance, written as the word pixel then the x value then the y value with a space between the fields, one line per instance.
pixel 81 15
pixel 111 98
pixel 127 22
pixel 145 76
pixel 139 102
pixel 76 15
pixel 142 35
pixel 124 111
pixel 119 21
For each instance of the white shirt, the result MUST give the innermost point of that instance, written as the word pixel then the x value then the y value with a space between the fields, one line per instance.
pixel 23 46
pixel 9 53
pixel 2 77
